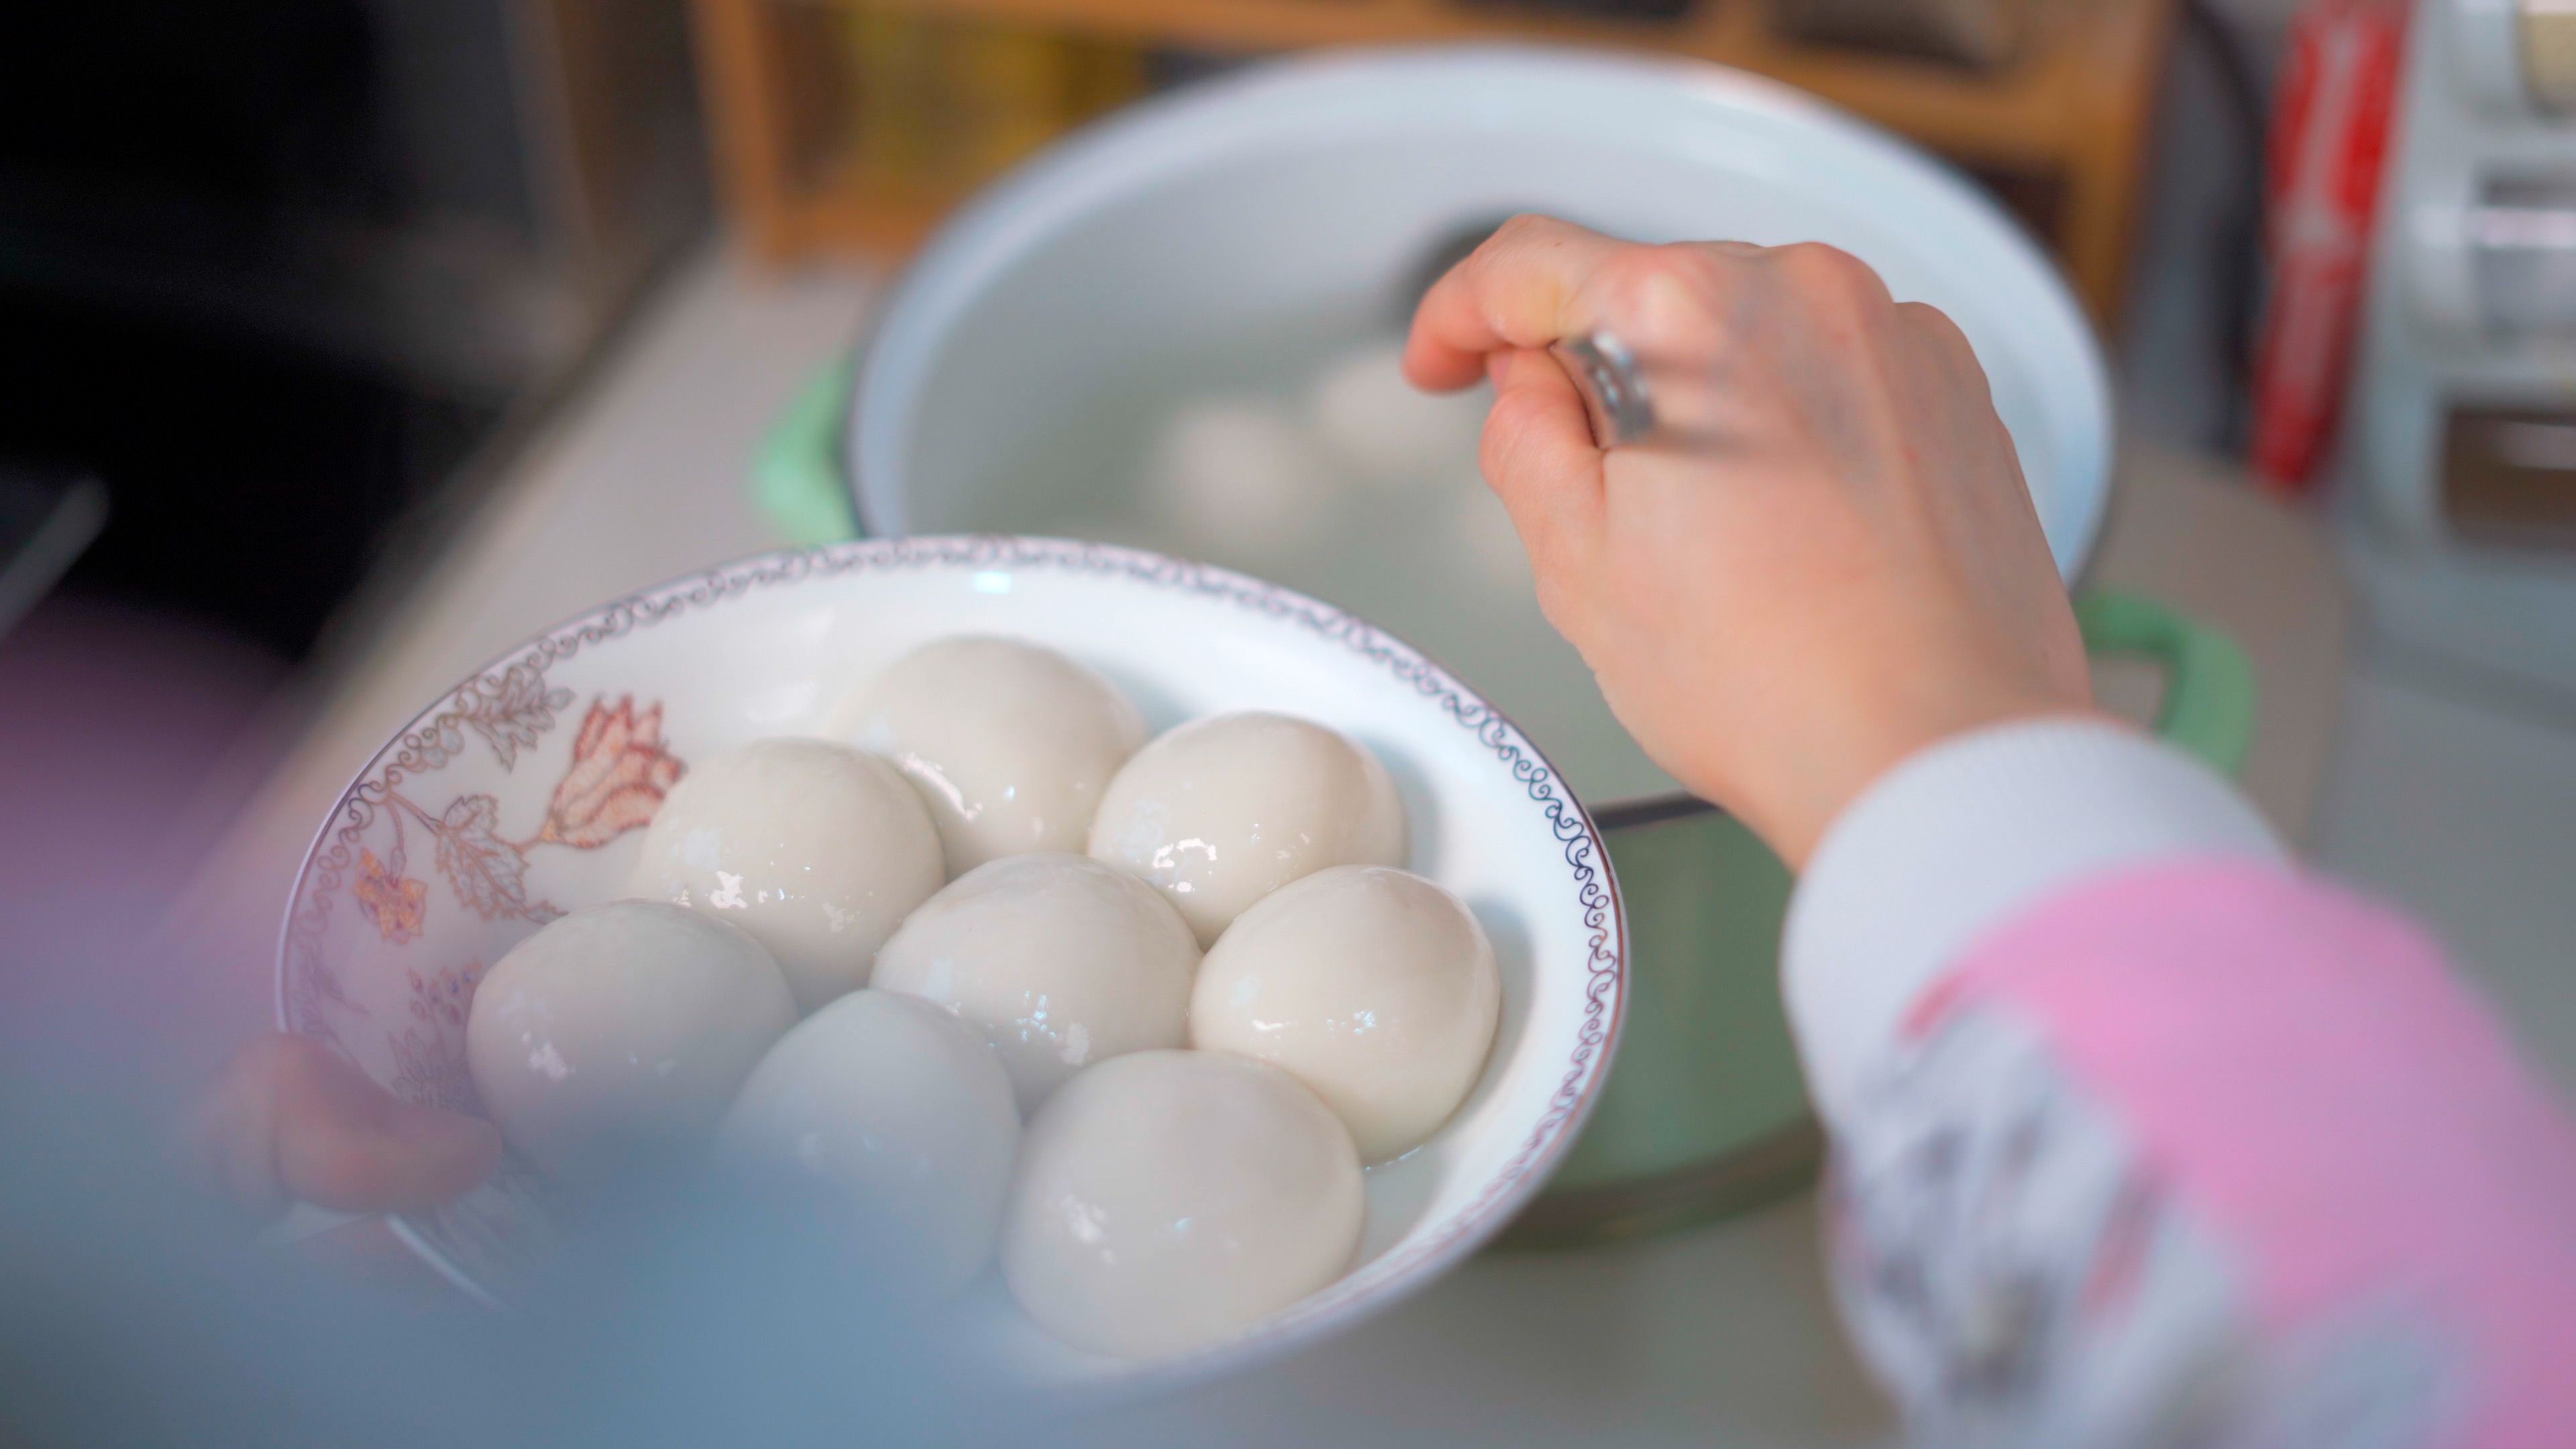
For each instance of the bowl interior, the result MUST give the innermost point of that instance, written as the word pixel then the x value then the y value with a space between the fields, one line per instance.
pixel 1297 201
pixel 520 794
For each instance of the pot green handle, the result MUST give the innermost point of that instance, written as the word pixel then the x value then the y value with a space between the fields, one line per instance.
pixel 796 478
pixel 2209 700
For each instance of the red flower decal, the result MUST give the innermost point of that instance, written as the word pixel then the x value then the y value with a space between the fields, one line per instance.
pixel 393 902
pixel 619 774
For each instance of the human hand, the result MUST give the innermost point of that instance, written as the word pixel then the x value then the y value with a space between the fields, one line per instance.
pixel 293 1121
pixel 1824 561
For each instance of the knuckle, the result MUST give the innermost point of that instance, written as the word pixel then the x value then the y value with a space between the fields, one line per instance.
pixel 1703 269
pixel 1934 324
pixel 1519 236
pixel 1670 295
pixel 1832 275
pixel 1946 345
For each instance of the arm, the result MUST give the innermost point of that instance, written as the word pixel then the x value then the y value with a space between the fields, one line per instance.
pixel 2140 1137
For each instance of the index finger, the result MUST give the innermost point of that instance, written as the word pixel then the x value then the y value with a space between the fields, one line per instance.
pixel 1518 290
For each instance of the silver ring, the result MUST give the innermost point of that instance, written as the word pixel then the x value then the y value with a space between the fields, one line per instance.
pixel 1614 392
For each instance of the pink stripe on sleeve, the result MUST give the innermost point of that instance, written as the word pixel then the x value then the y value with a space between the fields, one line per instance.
pixel 2305 1074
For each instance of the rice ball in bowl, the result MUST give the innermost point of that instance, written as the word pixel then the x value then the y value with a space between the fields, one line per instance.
pixel 1009 743
pixel 767 647
pixel 1169 1200
pixel 1058 959
pixel 1223 810
pixel 613 1041
pixel 1373 986
pixel 901 1114
pixel 816 849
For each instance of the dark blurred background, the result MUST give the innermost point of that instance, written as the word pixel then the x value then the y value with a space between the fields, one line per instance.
pixel 271 270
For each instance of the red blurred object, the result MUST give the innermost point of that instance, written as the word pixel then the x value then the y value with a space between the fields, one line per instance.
pixel 2330 135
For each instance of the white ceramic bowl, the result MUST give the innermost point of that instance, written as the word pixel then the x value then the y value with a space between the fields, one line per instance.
pixel 522 792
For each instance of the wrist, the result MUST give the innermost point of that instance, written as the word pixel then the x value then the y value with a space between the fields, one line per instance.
pixel 1828 771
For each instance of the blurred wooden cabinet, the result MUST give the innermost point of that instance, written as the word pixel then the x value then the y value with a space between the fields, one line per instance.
pixel 606 86
pixel 2060 130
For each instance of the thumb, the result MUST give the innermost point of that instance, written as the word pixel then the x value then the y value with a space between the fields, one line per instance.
pixel 293 1121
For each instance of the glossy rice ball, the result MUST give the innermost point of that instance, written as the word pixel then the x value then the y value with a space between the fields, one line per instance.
pixel 1222 811
pixel 1010 744
pixel 615 1038
pixel 1373 986
pixel 1169 1200
pixel 1060 960
pixel 900 1111
pixel 817 849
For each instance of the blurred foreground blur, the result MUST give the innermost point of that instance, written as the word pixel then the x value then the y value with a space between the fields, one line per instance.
pixel 137 1312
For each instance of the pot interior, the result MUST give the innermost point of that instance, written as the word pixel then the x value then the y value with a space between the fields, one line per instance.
pixel 1219 253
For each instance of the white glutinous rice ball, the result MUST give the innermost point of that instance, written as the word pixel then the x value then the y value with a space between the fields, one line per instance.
pixel 615 1038
pixel 901 1111
pixel 1224 810
pixel 1239 475
pixel 1009 743
pixel 1373 986
pixel 1062 961
pixel 1168 1200
pixel 817 849
pixel 1388 430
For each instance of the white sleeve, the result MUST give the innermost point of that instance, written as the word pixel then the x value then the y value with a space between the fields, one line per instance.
pixel 2014 1270
pixel 1957 840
